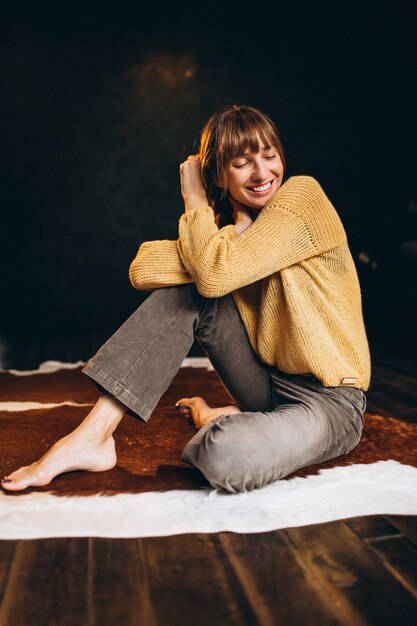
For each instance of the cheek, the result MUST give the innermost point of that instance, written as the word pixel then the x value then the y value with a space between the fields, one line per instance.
pixel 233 182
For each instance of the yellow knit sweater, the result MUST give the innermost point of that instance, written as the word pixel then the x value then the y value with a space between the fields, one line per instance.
pixel 292 277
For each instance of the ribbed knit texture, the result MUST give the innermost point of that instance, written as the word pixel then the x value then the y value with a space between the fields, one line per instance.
pixel 292 277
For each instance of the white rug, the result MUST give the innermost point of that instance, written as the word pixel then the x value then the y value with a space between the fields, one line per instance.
pixel 385 487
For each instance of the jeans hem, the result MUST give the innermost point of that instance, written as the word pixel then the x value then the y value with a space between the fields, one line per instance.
pixel 116 389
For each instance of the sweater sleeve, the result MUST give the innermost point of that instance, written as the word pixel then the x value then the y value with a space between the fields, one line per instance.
pixel 298 223
pixel 157 264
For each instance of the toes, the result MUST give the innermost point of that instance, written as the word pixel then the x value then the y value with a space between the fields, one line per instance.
pixel 18 472
pixel 23 482
pixel 23 469
pixel 24 477
pixel 184 410
pixel 183 406
pixel 11 484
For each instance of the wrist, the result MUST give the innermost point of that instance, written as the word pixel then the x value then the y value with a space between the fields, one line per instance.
pixel 195 201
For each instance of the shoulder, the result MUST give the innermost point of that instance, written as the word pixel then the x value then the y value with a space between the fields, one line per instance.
pixel 302 184
pixel 301 194
pixel 304 197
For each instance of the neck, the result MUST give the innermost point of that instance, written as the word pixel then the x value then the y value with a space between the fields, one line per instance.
pixel 236 206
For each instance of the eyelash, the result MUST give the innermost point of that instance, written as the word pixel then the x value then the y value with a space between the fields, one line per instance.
pixel 269 158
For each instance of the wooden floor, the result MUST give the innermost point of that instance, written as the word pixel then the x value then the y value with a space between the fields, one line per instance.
pixel 359 571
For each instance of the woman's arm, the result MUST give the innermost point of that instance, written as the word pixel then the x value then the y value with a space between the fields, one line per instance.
pixel 298 223
pixel 157 264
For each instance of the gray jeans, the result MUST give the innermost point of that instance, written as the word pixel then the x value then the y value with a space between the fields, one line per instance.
pixel 287 421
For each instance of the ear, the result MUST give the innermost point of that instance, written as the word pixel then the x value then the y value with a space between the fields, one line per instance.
pixel 219 183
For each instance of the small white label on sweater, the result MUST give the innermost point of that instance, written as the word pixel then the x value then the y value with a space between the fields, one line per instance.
pixel 349 381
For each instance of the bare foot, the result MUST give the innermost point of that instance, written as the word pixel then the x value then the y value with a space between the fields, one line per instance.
pixel 76 451
pixel 201 412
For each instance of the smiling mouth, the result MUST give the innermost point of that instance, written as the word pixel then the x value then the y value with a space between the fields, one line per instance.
pixel 261 188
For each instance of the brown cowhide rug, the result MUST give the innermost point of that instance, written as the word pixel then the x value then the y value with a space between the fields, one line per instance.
pixel 149 454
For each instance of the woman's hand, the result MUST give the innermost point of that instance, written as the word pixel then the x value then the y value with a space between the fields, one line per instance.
pixel 241 216
pixel 192 187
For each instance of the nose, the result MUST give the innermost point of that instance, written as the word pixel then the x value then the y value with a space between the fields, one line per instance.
pixel 259 172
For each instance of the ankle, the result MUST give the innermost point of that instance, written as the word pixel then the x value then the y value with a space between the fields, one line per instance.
pixel 100 426
pixel 103 419
pixel 94 432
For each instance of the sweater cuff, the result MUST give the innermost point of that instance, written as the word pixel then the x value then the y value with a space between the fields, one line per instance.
pixel 231 231
pixel 207 210
pixel 190 214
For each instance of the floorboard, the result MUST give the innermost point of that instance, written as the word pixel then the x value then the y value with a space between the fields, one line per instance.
pixel 7 551
pixel 191 582
pixel 47 584
pixel 364 591
pixel 119 588
pixel 407 524
pixel 373 527
pixel 399 557
pixel 276 582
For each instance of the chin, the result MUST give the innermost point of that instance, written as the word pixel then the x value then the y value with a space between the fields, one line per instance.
pixel 261 204
pixel 259 207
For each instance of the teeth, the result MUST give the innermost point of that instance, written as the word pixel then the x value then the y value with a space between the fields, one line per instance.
pixel 263 188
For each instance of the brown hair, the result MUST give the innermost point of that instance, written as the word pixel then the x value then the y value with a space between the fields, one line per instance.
pixel 226 135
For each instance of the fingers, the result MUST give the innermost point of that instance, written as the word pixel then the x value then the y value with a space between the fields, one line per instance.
pixel 192 186
pixel 192 157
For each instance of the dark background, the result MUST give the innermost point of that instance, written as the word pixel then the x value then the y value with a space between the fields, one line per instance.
pixel 102 101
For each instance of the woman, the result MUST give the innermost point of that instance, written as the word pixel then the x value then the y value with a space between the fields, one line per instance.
pixel 262 276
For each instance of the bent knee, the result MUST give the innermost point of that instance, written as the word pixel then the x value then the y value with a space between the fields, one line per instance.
pixel 226 463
